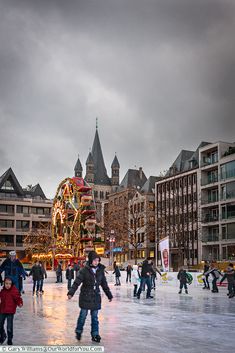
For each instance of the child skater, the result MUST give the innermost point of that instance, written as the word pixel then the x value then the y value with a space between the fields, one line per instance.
pixel 9 299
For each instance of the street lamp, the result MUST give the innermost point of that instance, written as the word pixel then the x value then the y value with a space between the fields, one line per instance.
pixel 111 240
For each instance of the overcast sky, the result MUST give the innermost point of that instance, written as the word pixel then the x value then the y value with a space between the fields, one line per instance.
pixel 159 75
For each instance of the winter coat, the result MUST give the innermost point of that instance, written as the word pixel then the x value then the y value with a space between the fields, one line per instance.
pixel 76 268
pixel 44 273
pixel 129 269
pixel 135 278
pixel 13 269
pixel 117 272
pixel 182 276
pixel 69 273
pixel 230 275
pixel 10 299
pixel 214 272
pixel 90 297
pixel 146 268
pixel 36 272
pixel 59 270
pixel 206 269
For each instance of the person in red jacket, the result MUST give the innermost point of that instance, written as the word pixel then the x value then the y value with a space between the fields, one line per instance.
pixel 9 299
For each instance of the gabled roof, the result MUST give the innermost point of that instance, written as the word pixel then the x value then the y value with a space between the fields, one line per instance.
pixel 100 177
pixel 35 191
pixel 78 166
pixel 133 178
pixel 149 186
pixel 115 163
pixel 9 175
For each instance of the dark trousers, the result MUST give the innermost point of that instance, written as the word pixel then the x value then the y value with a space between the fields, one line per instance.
pixel 41 285
pixel 231 288
pixel 118 283
pixel 20 284
pixel 145 280
pixel 183 284
pixel 59 278
pixel 94 322
pixel 9 318
pixel 214 285
pixel 153 281
pixel 37 285
pixel 69 283
pixel 135 290
pixel 128 276
pixel 206 282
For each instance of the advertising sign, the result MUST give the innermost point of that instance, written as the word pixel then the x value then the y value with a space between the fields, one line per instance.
pixel 164 248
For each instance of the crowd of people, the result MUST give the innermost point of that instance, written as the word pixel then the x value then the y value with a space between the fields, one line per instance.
pixel 91 276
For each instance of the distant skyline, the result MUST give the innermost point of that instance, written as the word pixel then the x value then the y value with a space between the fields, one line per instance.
pixel 159 75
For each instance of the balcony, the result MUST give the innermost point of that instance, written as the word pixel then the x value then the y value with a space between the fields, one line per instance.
pixel 209 160
pixel 229 195
pixel 210 218
pixel 206 238
pixel 209 180
pixel 229 215
pixel 210 200
pixel 228 236
pixel 22 229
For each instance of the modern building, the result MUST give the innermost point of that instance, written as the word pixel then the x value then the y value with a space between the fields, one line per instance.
pixel 177 215
pixel 217 201
pixel 21 210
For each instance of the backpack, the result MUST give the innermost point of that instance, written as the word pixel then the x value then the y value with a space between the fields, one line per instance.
pixel 189 277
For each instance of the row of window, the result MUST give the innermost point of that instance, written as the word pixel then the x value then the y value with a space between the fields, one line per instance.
pixel 177 201
pixel 9 239
pixel 7 223
pixel 177 183
pixel 25 209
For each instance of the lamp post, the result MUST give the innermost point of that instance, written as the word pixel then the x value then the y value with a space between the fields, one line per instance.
pixel 111 242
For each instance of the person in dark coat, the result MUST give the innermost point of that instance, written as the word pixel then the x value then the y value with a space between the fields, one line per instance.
pixel 69 275
pixel 182 277
pixel 230 276
pixel 154 271
pixel 145 278
pixel 117 273
pixel 59 273
pixel 215 273
pixel 13 268
pixel 37 274
pixel 128 273
pixel 76 268
pixel 9 299
pixel 205 279
pixel 44 275
pixel 91 277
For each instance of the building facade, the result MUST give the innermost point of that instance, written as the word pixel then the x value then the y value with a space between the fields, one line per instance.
pixel 217 201
pixel 21 210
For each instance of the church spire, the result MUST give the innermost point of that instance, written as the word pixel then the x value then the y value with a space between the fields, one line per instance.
pixel 78 169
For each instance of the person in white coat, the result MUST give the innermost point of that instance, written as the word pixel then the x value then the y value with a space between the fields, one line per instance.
pixel 135 279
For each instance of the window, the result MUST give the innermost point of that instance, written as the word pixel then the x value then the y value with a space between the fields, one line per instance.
pixel 5 223
pixel 7 240
pixel 194 178
pixel 152 220
pixel 142 206
pixel 19 240
pixel 22 225
pixel 7 208
pixel 7 185
pixel 151 206
pixel 23 209
pixel 101 195
pixel 95 194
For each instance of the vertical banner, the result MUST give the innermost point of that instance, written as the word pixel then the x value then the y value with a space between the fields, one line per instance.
pixel 164 248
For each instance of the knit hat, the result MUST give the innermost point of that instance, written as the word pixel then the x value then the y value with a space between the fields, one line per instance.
pixel 92 256
pixel 12 253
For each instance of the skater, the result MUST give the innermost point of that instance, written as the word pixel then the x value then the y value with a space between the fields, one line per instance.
pixel 76 268
pixel 205 279
pixel 128 273
pixel 44 275
pixel 59 273
pixel 9 299
pixel 145 279
pixel 37 274
pixel 92 277
pixel 154 271
pixel 13 268
pixel 117 273
pixel 69 275
pixel 135 279
pixel 182 277
pixel 215 273
pixel 230 275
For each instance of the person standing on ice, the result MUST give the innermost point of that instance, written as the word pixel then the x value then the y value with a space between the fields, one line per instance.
pixel 215 273
pixel 145 278
pixel 91 277
pixel 182 277
pixel 135 279
pixel 230 276
pixel 117 276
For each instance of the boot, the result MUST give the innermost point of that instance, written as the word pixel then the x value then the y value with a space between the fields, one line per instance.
pixel 9 342
pixel 4 336
pixel 96 338
pixel 78 336
pixel 180 291
pixel 186 291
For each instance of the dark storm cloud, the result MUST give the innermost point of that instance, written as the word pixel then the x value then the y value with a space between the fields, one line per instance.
pixel 159 74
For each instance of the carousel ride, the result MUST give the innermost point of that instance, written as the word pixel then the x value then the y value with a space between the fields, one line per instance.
pixel 73 219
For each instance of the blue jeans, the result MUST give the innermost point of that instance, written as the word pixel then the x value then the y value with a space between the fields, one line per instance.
pixel 94 322
pixel 142 283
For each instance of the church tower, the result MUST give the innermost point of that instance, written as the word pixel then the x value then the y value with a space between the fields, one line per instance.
pixel 90 173
pixel 115 172
pixel 78 169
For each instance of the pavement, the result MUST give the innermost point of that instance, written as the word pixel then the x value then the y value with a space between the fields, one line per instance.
pixel 200 322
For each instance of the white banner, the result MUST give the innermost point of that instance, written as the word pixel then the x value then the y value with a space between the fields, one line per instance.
pixel 164 248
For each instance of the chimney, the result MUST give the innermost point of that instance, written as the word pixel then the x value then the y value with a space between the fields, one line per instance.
pixel 140 173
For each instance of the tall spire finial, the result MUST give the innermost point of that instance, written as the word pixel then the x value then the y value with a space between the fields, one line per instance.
pixel 96 123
